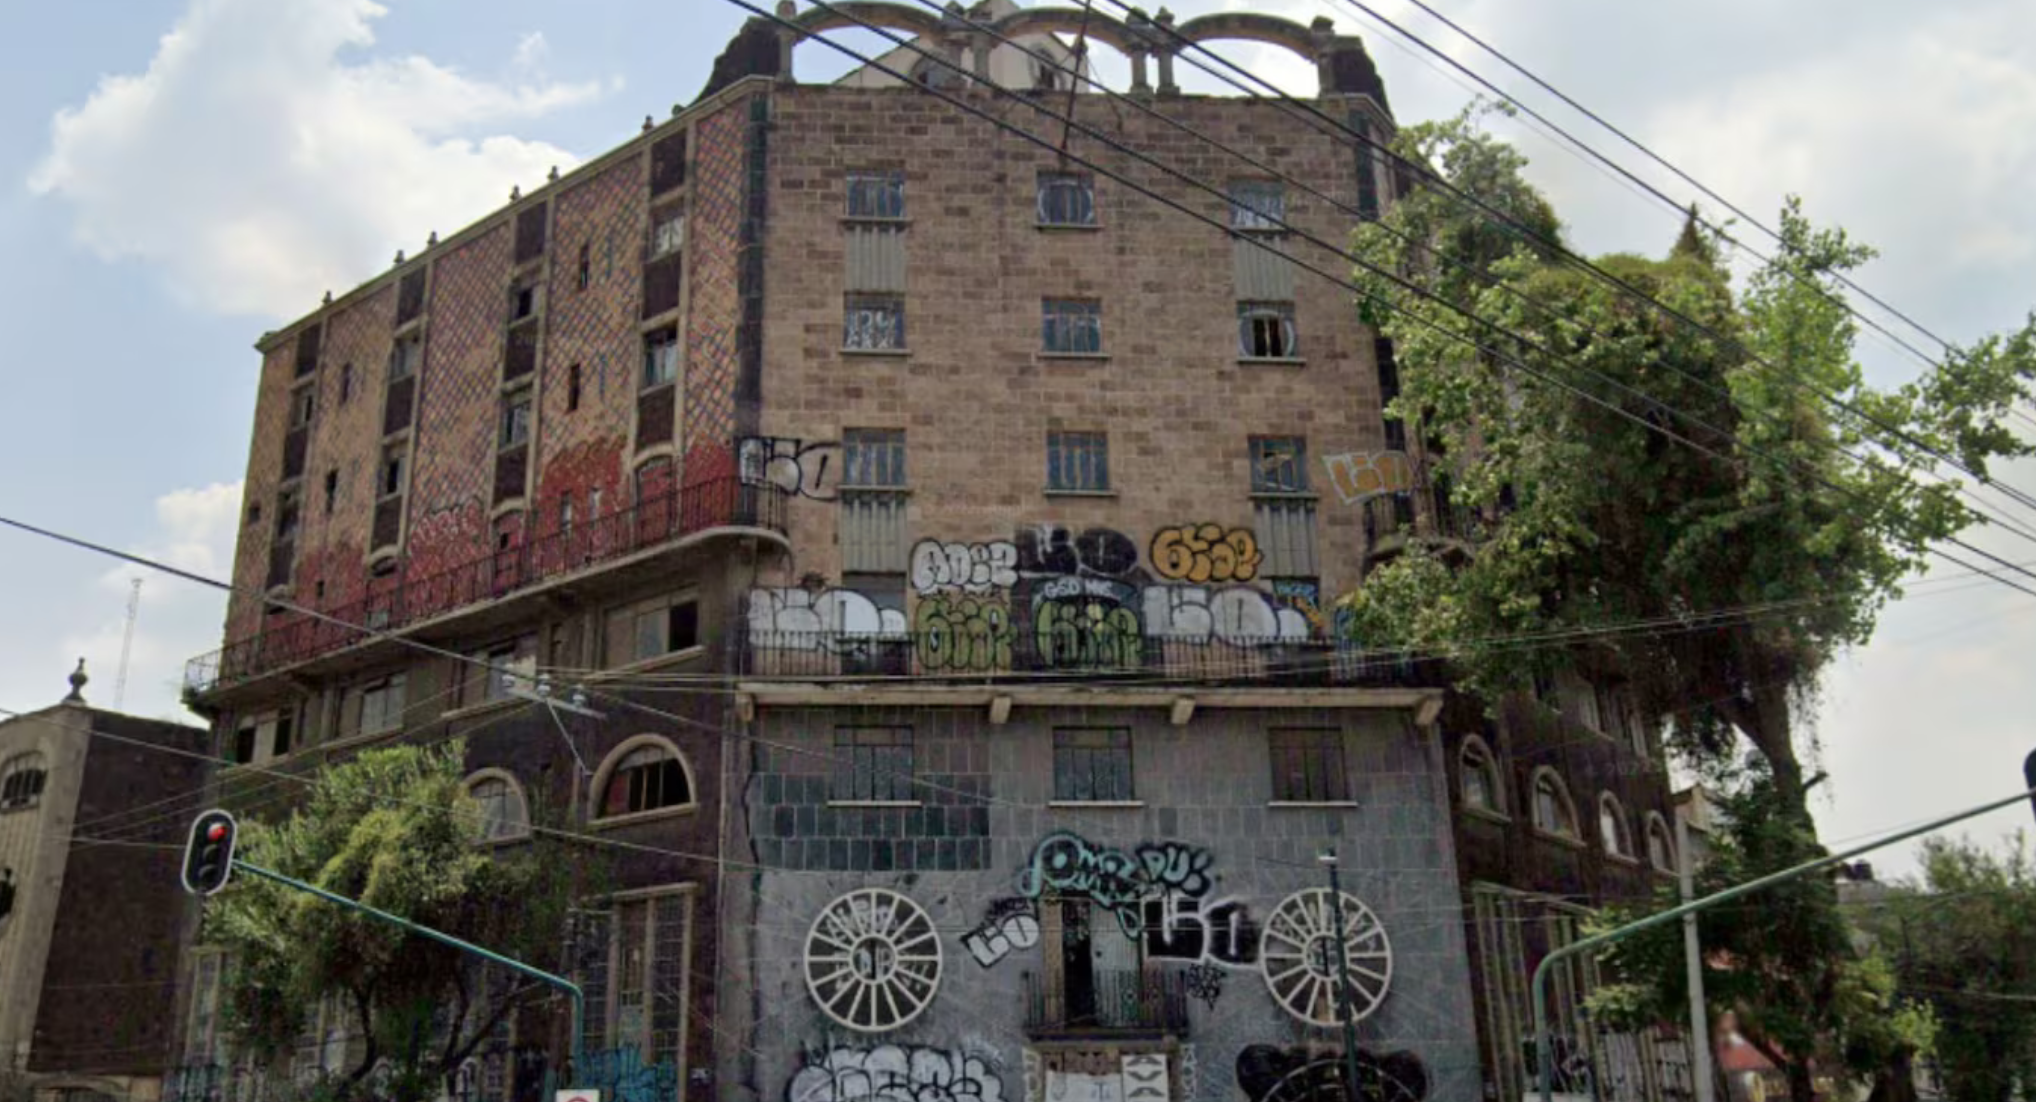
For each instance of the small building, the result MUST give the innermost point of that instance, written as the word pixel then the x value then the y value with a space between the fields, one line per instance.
pixel 90 908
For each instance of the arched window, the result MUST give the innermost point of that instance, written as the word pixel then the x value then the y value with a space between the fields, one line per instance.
pixel 505 814
pixel 1480 776
pixel 646 773
pixel 1612 832
pixel 1660 844
pixel 1553 811
pixel 21 781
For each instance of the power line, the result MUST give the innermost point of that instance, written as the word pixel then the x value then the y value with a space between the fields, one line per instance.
pixel 1388 276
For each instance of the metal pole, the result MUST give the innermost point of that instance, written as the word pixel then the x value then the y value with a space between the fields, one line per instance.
pixel 1540 984
pixel 1700 1018
pixel 572 990
pixel 1328 857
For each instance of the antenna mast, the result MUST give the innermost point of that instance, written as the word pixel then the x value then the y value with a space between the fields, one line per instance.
pixel 126 644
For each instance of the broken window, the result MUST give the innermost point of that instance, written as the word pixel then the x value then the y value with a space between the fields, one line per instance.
pixel 1265 330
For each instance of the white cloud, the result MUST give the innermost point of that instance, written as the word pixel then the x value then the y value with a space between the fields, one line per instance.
pixel 259 168
pixel 178 620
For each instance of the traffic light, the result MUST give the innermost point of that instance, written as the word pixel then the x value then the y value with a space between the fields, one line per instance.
pixel 2029 774
pixel 208 857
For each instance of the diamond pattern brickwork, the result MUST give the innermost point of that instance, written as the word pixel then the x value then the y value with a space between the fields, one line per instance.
pixel 454 454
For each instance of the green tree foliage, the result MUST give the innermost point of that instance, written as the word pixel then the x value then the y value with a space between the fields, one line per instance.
pixel 1803 991
pixel 1563 412
pixel 1964 942
pixel 393 829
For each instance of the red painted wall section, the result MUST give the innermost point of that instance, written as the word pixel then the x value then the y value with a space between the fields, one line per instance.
pixel 459 406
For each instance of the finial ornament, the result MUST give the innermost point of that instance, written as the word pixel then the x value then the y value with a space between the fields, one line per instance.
pixel 78 682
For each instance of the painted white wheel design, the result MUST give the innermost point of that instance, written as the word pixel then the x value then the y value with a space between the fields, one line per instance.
pixel 1297 953
pixel 873 960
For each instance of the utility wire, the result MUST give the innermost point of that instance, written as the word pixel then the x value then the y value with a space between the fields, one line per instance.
pixel 1589 267
pixel 1388 276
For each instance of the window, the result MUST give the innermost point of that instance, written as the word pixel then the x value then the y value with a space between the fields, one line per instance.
pixel 873 322
pixel 874 457
pixel 478 685
pixel 594 503
pixel 1389 390
pixel 1070 326
pixel 516 419
pixel 393 461
pixel 254 514
pixel 21 781
pixel 637 990
pixel 381 705
pixel 1257 204
pixel 1612 827
pixel 1480 776
pixel 1286 536
pixel 1265 331
pixel 1307 765
pixel 573 388
pixel 667 233
pixel 565 513
pixel 523 302
pixel 585 276
pixel 1067 199
pixel 504 812
pixel 660 356
pixel 286 516
pixel 300 408
pixel 1077 462
pixel 1279 464
pixel 872 764
pixel 662 625
pixel 406 358
pixel 1092 764
pixel 345 383
pixel 1553 813
pixel 644 774
pixel 202 1040
pixel 331 489
pixel 876 195
pixel 1660 849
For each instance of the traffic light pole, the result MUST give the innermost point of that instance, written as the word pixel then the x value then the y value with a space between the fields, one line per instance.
pixel 571 989
pixel 1545 1055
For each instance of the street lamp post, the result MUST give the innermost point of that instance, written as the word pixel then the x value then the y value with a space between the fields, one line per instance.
pixel 1328 858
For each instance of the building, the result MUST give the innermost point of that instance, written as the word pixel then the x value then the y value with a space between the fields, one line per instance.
pixel 945 532
pixel 87 959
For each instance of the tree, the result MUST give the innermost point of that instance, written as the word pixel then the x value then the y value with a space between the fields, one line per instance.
pixel 1784 961
pixel 1763 557
pixel 1964 942
pixel 392 828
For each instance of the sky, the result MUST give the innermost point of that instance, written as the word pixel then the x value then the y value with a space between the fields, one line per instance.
pixel 196 172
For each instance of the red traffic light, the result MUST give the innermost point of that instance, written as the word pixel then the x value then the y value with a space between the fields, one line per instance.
pixel 208 857
pixel 215 832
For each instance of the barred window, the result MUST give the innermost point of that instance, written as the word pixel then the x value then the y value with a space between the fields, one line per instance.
pixel 1265 330
pixel 876 195
pixel 1257 204
pixel 1078 461
pixel 21 781
pixel 1067 199
pixel 1307 765
pixel 1092 764
pixel 1069 325
pixel 1279 464
pixel 874 322
pixel 872 763
pixel 874 457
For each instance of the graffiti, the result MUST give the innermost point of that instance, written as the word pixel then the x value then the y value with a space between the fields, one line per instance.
pixel 1303 596
pixel 970 567
pixel 1571 1071
pixel 1201 553
pixel 1086 631
pixel 621 1074
pixel 805 619
pixel 1204 982
pixel 893 1073
pixel 1268 1074
pixel 1362 475
pixel 809 470
pixel 1238 615
pixel 1035 1075
pixel 962 634
pixel 1010 924
pixel 1190 1072
pixel 1096 552
pixel 1083 1086
pixel 1219 933
pixel 1145 1077
pixel 1119 882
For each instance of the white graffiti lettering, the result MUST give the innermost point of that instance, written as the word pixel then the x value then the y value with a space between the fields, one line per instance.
pixel 1237 615
pixel 794 466
pixel 997 938
pixel 891 1073
pixel 970 567
pixel 802 619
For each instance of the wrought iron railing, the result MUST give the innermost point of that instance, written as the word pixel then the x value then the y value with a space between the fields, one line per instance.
pixel 1015 654
pixel 1105 1001
pixel 399 600
pixel 1394 514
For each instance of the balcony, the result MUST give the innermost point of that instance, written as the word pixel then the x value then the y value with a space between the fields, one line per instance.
pixel 401 600
pixel 1425 514
pixel 1121 1002
pixel 1017 653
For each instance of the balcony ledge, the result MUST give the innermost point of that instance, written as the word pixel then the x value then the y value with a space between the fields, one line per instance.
pixel 751 694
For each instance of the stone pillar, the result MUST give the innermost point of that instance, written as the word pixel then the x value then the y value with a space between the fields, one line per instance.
pixel 787 38
pixel 1138 82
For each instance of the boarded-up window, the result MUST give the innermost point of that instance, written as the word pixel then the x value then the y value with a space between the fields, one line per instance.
pixel 307 349
pixel 873 531
pixel 521 356
pixel 876 257
pixel 668 163
pixel 388 522
pixel 512 467
pixel 1286 534
pixel 662 279
pixel 1308 765
pixel 530 232
pixel 410 297
pixel 656 415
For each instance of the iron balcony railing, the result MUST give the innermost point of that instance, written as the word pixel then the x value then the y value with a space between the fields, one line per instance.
pixel 400 600
pixel 1105 1001
pixel 1391 517
pixel 1015 654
